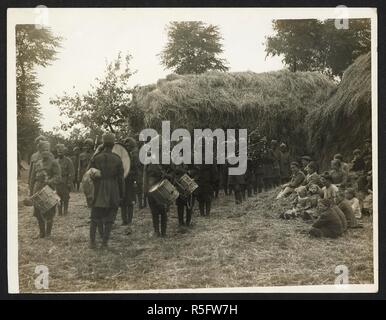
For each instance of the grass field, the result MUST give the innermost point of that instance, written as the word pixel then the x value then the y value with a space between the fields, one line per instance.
pixel 237 246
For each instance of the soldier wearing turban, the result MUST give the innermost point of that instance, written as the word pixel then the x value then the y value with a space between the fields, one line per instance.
pixel 64 186
pixel 45 171
pixel 109 190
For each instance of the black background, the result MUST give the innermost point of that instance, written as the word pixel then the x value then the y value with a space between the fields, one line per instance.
pixel 144 300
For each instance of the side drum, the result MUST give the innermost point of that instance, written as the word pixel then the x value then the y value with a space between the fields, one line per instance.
pixel 45 199
pixel 164 192
pixel 186 185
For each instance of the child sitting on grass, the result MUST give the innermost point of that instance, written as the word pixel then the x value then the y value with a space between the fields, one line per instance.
pixel 354 202
pixel 346 208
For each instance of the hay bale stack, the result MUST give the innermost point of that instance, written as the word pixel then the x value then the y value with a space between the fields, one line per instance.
pixel 344 121
pixel 275 102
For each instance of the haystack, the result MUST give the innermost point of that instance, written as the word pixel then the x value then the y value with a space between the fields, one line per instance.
pixel 276 103
pixel 344 121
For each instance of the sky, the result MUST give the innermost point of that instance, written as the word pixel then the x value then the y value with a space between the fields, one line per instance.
pixel 94 36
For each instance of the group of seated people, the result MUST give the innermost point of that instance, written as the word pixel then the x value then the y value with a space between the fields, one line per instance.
pixel 334 200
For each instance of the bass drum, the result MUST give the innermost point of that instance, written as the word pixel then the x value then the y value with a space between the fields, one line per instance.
pixel 121 151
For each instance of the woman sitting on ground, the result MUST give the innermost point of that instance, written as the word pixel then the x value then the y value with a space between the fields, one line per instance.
pixel 338 175
pixel 328 224
pixel 329 190
pixel 312 176
pixel 297 179
pixel 346 208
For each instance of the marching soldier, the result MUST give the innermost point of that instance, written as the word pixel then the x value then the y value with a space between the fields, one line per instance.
pixel 45 171
pixel 127 208
pixel 75 161
pixel 109 190
pixel 34 158
pixel 153 174
pixel 64 186
pixel 85 157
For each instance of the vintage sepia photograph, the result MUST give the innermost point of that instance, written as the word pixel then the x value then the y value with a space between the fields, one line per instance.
pixel 192 150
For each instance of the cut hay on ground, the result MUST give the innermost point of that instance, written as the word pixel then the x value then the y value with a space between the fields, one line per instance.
pixel 275 102
pixel 237 246
pixel 344 121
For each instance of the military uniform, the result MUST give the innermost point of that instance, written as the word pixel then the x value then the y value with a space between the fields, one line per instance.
pixel 205 177
pixel 153 173
pixel 84 161
pixel 64 186
pixel 183 204
pixel 109 191
pixel 45 172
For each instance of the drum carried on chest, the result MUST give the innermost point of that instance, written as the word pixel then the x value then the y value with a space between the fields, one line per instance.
pixel 45 199
pixel 186 185
pixel 121 151
pixel 164 192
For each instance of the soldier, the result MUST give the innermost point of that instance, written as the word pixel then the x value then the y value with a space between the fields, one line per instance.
pixel 85 157
pixel 276 163
pixel 45 171
pixel 285 162
pixel 34 158
pixel 183 203
pixel 109 190
pixel 64 186
pixel 127 208
pixel 153 174
pixel 267 161
pixel 205 176
pixel 75 161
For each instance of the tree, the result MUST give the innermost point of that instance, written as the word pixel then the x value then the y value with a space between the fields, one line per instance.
pixel 34 47
pixel 193 47
pixel 106 106
pixel 314 45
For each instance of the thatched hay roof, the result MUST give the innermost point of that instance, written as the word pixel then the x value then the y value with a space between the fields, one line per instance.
pixel 344 121
pixel 235 100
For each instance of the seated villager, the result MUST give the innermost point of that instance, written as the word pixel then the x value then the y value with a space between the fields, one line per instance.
pixel 303 205
pixel 328 224
pixel 357 163
pixel 312 176
pixel 304 162
pixel 296 180
pixel 347 210
pixel 354 202
pixel 338 175
pixel 329 190
pixel 341 216
pixel 344 165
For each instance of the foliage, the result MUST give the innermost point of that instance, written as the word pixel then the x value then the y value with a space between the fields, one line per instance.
pixel 313 45
pixel 193 47
pixel 34 47
pixel 106 106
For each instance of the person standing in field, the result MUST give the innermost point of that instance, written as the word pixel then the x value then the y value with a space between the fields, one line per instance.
pixel 85 157
pixel 34 158
pixel 109 190
pixel 276 154
pixel 75 161
pixel 46 171
pixel 285 161
pixel 64 186
pixel 153 174
pixel 127 208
